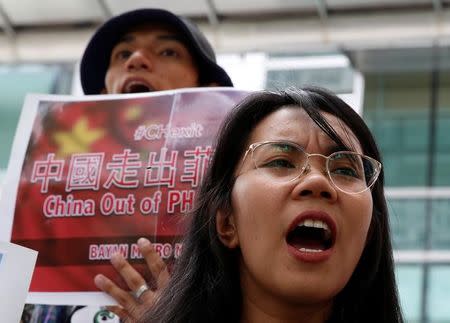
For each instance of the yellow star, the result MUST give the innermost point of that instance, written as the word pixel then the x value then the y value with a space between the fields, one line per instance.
pixel 78 140
pixel 133 113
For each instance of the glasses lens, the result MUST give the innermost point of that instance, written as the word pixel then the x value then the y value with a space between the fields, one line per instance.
pixel 281 161
pixel 352 172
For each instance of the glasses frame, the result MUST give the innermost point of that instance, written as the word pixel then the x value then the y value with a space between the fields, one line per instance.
pixel 377 165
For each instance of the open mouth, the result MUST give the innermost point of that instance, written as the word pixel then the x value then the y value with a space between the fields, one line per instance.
pixel 136 87
pixel 311 235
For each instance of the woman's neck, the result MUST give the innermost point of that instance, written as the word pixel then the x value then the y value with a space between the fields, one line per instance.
pixel 255 311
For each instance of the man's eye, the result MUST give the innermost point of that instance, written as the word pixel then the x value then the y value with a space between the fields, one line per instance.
pixel 169 53
pixel 278 163
pixel 123 54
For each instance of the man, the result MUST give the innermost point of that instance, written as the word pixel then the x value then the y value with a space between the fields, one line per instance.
pixel 142 51
pixel 149 50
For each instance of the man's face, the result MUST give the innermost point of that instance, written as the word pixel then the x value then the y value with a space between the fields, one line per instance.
pixel 150 58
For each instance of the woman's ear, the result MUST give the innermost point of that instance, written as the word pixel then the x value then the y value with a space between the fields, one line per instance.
pixel 227 230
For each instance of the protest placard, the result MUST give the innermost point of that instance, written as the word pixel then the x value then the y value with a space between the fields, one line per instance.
pixel 90 175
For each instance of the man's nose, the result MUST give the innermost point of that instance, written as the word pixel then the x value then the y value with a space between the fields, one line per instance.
pixel 139 60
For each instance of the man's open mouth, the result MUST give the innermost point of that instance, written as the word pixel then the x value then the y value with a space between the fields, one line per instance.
pixel 136 87
pixel 311 235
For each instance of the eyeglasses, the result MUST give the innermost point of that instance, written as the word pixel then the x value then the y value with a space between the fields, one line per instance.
pixel 284 161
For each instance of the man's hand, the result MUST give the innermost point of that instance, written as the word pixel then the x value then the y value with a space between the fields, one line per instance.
pixel 133 305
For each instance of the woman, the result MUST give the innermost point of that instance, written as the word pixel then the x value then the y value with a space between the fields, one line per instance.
pixel 290 224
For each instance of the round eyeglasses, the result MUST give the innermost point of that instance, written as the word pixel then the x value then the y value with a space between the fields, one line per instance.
pixel 285 161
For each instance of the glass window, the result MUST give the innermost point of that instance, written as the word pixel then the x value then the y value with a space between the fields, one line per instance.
pixel 410 286
pixel 409 282
pixel 438 294
pixel 440 227
pixel 339 80
pixel 331 70
pixel 407 217
pixel 396 108
pixel 442 157
pixel 18 80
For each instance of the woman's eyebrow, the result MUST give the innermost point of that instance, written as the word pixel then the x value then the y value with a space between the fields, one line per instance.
pixel 335 148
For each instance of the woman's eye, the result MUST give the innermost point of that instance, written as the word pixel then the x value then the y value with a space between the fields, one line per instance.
pixel 346 171
pixel 279 163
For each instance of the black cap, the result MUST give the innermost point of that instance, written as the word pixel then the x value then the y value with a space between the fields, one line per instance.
pixel 95 60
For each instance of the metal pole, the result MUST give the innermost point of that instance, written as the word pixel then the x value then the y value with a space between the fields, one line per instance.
pixel 7 24
pixel 434 88
pixel 212 13
pixel 106 11
pixel 322 9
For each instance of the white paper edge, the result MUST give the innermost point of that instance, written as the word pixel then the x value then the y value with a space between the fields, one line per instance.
pixel 107 97
pixel 73 298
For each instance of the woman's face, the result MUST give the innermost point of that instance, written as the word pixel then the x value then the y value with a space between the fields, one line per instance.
pixel 277 265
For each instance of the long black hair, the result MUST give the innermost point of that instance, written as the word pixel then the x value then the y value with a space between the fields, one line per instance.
pixel 205 284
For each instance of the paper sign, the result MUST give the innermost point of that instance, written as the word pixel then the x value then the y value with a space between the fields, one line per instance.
pixel 16 267
pixel 90 175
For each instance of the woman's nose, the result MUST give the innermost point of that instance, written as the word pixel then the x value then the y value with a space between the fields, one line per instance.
pixel 314 183
pixel 139 60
